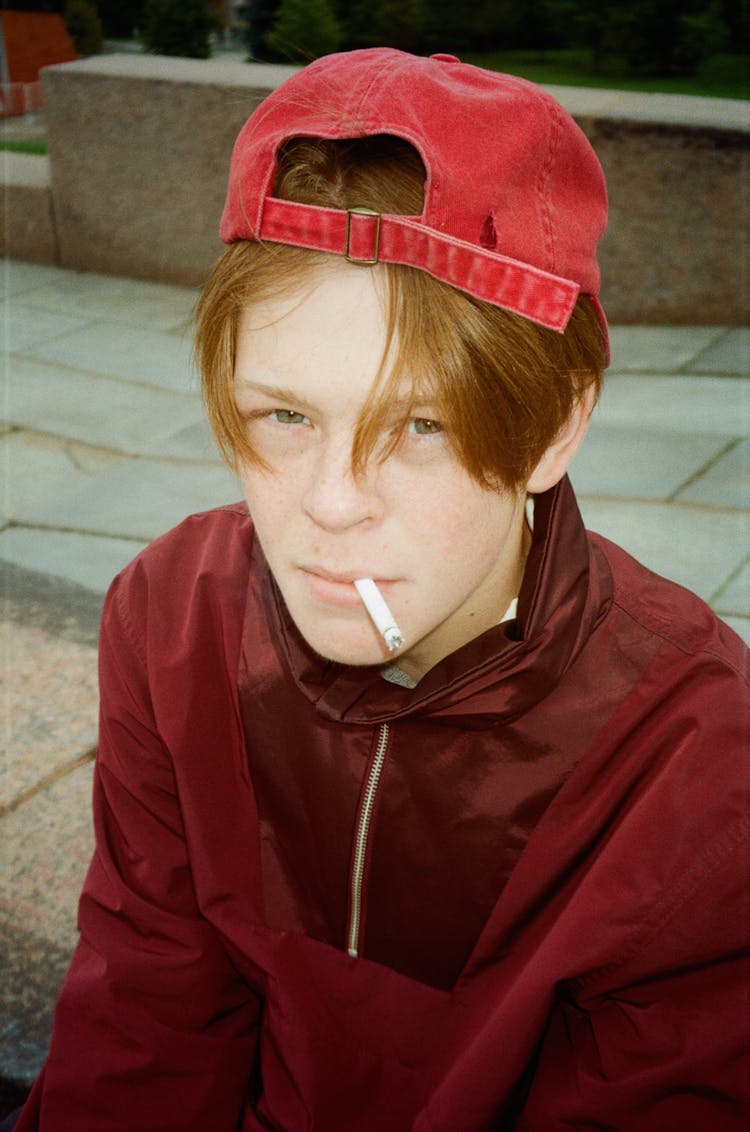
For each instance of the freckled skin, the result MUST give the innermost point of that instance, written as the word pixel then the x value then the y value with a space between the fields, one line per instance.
pixel 447 553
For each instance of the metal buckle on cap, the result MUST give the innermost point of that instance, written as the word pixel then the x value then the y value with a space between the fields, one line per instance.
pixel 362 212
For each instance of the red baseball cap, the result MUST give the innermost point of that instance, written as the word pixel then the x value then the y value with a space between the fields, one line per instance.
pixel 514 197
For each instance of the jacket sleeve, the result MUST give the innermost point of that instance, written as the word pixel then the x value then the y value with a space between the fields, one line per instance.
pixel 661 1046
pixel 154 1029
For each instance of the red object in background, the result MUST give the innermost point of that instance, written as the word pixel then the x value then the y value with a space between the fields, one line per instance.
pixel 28 42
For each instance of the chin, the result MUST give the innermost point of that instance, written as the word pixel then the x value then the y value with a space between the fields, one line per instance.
pixel 355 653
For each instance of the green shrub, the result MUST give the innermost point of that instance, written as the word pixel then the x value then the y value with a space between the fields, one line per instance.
pixel 256 20
pixel 654 37
pixel 389 23
pixel 701 34
pixel 178 27
pixel 120 17
pixel 304 30
pixel 84 26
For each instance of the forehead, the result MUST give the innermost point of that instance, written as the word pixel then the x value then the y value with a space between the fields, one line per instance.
pixel 327 337
pixel 335 319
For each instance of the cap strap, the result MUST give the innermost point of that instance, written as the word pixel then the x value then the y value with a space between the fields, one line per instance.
pixel 366 237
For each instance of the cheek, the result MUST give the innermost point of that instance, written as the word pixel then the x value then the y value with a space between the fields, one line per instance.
pixel 470 515
pixel 468 530
pixel 270 499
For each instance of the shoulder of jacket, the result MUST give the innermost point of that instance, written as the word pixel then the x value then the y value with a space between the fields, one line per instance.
pixel 204 560
pixel 206 539
pixel 666 610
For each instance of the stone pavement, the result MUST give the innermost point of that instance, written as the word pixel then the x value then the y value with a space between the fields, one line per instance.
pixel 104 447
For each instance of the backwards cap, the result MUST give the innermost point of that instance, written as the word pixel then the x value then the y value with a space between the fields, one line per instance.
pixel 514 198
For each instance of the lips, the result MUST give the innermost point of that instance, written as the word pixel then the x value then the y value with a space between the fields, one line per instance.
pixel 348 577
pixel 333 588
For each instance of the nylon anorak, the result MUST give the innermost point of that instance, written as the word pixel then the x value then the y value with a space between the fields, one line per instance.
pixel 549 909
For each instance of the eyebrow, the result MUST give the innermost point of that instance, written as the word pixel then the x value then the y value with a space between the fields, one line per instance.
pixel 292 397
pixel 273 392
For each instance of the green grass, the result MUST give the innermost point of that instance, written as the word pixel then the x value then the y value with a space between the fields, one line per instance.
pixel 38 147
pixel 723 76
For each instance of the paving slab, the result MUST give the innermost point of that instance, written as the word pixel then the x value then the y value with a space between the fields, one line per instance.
pixel 56 605
pixel 139 499
pixel 726 483
pixel 156 306
pixel 148 357
pixel 50 697
pixel 655 348
pixel 32 970
pixel 194 442
pixel 699 548
pixel 24 326
pixel 90 561
pixel 718 405
pixel 729 354
pixel 44 853
pixel 734 599
pixel 644 464
pixel 741 626
pixel 36 466
pixel 100 411
pixel 16 276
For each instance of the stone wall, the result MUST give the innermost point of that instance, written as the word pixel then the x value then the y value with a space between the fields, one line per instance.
pixel 140 146
pixel 139 149
pixel 27 227
pixel 678 241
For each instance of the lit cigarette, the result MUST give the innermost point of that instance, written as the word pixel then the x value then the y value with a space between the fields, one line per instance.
pixel 380 614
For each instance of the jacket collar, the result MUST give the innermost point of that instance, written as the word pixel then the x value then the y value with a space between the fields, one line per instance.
pixel 499 675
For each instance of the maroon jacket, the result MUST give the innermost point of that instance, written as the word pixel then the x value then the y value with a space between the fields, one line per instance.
pixel 539 857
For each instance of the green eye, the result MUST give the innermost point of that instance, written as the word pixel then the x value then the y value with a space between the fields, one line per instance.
pixel 424 427
pixel 288 416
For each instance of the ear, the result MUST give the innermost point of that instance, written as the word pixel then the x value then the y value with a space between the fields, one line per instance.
pixel 555 461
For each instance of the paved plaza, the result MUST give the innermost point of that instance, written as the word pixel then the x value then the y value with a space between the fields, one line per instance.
pixel 104 447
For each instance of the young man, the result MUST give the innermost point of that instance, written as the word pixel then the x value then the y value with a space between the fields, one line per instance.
pixel 478 865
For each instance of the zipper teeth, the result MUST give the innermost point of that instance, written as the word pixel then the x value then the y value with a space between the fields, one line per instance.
pixel 360 845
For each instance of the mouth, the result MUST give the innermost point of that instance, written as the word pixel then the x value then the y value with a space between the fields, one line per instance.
pixel 335 588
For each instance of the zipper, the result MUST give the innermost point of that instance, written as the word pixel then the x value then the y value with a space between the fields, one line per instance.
pixel 360 842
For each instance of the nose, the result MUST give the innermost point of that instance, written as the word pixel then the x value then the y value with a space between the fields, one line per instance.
pixel 336 499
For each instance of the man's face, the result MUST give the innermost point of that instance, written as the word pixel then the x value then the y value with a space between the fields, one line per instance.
pixel 446 553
